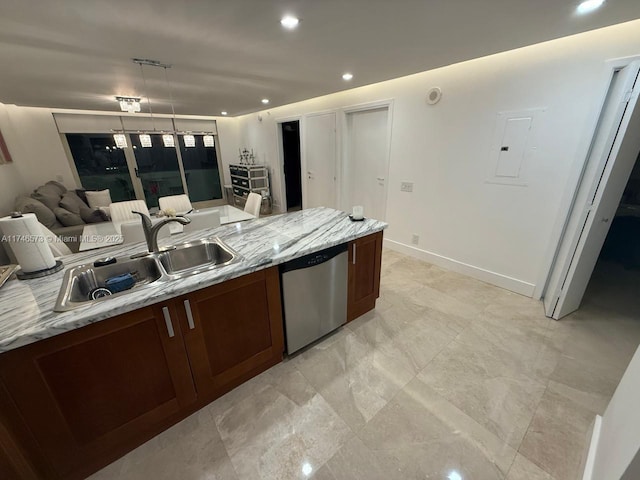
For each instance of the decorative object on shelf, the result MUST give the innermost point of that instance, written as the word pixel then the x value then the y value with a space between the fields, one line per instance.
pixel 247 157
pixel 167 212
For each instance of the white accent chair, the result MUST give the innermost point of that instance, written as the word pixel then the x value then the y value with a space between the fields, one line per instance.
pixel 57 246
pixel 180 203
pixel 133 232
pixel 254 201
pixel 123 211
pixel 202 221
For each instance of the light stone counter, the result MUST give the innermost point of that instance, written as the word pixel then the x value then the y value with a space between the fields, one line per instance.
pixel 26 307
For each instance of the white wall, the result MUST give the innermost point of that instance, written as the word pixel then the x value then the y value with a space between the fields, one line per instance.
pixel 619 440
pixel 35 145
pixel 495 232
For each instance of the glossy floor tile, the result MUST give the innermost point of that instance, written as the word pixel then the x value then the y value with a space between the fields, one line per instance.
pixel 449 378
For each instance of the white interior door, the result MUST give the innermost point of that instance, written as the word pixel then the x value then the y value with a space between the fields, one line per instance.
pixel 320 158
pixel 613 153
pixel 367 162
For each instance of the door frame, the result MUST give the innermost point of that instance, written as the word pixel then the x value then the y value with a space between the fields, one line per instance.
pixel 577 178
pixel 344 147
pixel 280 148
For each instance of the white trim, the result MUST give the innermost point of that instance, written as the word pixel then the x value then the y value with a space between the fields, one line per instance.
pixel 503 281
pixel 575 174
pixel 344 140
pixel 593 449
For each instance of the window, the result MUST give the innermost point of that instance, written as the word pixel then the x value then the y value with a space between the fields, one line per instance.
pixel 158 169
pixel 201 170
pixel 144 173
pixel 100 164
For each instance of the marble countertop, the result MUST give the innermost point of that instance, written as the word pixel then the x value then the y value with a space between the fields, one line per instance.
pixel 26 307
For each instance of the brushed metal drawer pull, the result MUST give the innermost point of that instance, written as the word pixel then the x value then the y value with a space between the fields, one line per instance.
pixel 187 307
pixel 354 254
pixel 167 321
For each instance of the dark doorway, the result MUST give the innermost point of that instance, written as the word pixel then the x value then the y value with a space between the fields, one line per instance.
pixel 292 171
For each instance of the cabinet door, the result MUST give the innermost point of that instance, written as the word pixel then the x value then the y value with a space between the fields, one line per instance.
pixel 365 255
pixel 235 331
pixel 92 394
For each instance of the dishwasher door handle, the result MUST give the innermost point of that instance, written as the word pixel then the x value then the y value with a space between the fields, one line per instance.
pixel 353 258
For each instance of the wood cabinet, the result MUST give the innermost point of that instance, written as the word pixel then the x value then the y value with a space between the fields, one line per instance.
pixel 365 255
pixel 233 331
pixel 81 399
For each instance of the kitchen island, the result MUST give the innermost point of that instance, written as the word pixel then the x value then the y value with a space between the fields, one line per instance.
pixel 83 387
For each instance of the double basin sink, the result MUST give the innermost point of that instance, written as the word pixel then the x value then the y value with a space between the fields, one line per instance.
pixel 85 284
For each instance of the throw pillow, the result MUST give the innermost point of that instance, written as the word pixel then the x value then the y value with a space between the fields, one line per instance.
pixel 70 201
pixel 48 194
pixel 58 186
pixel 89 215
pixel 67 218
pixel 45 215
pixel 98 199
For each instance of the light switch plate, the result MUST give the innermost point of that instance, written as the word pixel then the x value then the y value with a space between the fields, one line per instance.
pixel 415 239
pixel 406 187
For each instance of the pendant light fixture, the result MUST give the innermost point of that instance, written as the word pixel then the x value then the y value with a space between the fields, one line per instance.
pixel 120 139
pixel 165 138
pixel 168 137
pixel 208 141
pixel 168 140
pixel 189 140
pixel 145 140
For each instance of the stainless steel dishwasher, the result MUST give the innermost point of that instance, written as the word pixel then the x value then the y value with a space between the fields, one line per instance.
pixel 314 293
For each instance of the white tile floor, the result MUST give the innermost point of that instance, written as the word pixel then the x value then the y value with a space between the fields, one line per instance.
pixel 447 376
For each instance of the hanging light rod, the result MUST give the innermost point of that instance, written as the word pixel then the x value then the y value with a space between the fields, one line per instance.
pixel 150 63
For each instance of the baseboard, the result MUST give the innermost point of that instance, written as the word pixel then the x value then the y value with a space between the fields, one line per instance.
pixel 497 279
pixel 590 459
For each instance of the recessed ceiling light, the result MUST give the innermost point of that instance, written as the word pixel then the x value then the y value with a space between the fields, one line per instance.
pixel 223 113
pixel 265 100
pixel 347 76
pixel 289 21
pixel 589 6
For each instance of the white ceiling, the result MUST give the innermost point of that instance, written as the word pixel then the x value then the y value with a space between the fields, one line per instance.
pixel 228 54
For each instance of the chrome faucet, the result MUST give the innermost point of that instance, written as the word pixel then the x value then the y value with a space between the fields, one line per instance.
pixel 151 230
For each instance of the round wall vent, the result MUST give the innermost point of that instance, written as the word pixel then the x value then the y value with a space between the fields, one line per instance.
pixel 434 96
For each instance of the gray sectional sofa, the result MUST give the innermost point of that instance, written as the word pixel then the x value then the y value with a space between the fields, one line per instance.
pixel 62 211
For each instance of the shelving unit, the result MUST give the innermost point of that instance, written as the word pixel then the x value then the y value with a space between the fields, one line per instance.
pixel 246 179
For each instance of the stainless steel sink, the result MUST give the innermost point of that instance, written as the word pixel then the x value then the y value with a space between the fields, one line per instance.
pixel 79 282
pixel 85 284
pixel 195 257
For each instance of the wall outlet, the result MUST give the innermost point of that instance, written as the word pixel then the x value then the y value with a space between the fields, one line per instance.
pixel 415 239
pixel 406 187
pixel 59 178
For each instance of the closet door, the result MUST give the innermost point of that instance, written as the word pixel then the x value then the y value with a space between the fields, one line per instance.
pixel 320 158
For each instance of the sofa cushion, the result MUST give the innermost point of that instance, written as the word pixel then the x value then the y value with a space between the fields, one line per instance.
pixel 67 218
pixel 48 194
pixel 70 201
pixel 58 186
pixel 98 199
pixel 45 215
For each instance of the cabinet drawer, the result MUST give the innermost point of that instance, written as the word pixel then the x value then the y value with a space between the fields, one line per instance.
pixel 241 192
pixel 241 172
pixel 242 182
